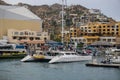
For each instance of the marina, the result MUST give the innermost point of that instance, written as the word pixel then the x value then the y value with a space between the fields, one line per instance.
pixel 60 41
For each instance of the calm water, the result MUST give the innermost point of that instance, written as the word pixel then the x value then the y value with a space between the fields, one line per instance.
pixel 16 70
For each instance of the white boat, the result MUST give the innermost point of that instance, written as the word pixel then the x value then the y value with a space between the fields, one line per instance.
pixel 69 56
pixel 41 56
pixel 116 60
pixel 111 50
pixel 27 58
pixel 11 50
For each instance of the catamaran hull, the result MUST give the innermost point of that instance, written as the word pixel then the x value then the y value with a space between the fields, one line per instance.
pixel 59 59
pixel 30 58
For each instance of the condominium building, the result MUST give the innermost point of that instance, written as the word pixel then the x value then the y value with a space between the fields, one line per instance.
pixel 102 29
pixel 95 31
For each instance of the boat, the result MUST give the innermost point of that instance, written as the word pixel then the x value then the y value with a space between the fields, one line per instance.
pixel 9 50
pixel 69 56
pixel 115 60
pixel 111 50
pixel 42 56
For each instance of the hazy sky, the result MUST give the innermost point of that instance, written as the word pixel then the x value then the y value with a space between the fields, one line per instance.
pixel 108 7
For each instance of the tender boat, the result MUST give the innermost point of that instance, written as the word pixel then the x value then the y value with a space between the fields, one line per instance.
pixel 69 56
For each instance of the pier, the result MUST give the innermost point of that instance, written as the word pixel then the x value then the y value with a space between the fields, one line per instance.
pixel 103 65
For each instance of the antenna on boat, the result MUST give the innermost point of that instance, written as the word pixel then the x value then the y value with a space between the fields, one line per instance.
pixel 62 20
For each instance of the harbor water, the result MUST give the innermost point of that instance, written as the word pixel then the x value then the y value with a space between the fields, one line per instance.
pixel 15 70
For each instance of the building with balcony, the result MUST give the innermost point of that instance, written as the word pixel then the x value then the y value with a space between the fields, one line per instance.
pixel 96 31
pixel 27 37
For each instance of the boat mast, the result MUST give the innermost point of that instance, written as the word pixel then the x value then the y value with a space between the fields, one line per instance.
pixel 62 21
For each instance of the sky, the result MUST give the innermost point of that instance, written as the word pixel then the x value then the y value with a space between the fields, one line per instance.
pixel 107 7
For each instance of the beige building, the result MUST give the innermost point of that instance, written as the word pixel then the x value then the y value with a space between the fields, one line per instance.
pixel 33 38
pixel 21 36
pixel 20 18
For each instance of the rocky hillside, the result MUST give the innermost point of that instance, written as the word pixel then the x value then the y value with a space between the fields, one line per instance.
pixel 3 3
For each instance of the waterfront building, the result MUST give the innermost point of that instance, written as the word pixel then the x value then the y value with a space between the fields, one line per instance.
pixel 20 18
pixel 96 31
pixel 29 37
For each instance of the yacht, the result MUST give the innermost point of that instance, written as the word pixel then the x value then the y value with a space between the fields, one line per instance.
pixel 69 56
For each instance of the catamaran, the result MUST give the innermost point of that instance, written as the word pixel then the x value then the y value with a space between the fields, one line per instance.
pixel 69 56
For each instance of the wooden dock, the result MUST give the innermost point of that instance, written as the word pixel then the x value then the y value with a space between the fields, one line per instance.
pixel 103 65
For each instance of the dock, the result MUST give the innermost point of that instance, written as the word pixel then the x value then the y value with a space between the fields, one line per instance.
pixel 103 65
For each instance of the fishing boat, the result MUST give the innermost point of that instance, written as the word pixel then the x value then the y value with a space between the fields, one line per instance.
pixel 69 56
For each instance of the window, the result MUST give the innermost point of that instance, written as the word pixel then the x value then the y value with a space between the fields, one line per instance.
pixel 31 38
pixel 29 33
pixel 114 40
pixel 32 33
pixel 74 34
pixel 108 29
pixel 14 37
pixel 38 34
pixel 117 26
pixel 38 45
pixel 37 38
pixel 112 26
pixel 21 33
pixel 109 40
pixel 117 29
pixel 89 30
pixel 15 33
pixel 74 30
